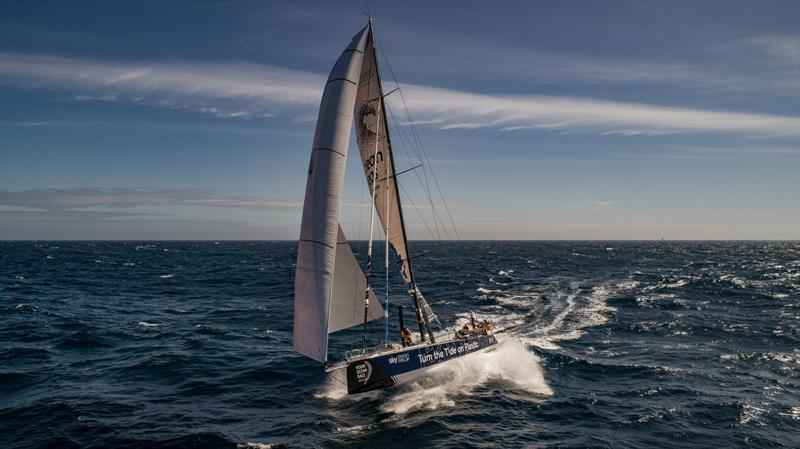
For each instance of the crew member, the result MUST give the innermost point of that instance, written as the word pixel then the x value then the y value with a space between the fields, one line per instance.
pixel 487 327
pixel 405 334
pixel 464 332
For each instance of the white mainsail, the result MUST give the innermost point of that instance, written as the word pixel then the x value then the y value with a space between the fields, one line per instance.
pixel 319 230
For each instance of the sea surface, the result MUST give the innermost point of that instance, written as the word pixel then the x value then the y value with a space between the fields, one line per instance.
pixel 189 345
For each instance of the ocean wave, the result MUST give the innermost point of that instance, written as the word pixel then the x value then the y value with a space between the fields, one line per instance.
pixel 27 307
pixel 82 340
pixel 653 345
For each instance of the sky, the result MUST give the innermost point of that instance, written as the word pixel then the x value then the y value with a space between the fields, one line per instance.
pixel 540 120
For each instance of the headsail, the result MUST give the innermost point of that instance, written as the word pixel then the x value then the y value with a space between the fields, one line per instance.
pixel 316 252
pixel 369 119
pixel 375 147
pixel 349 284
pixel 427 308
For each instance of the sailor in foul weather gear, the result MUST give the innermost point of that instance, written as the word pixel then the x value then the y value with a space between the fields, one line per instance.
pixel 405 334
pixel 487 327
pixel 464 332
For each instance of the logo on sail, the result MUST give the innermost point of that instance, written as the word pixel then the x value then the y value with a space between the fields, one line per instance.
pixel 363 372
pixel 366 134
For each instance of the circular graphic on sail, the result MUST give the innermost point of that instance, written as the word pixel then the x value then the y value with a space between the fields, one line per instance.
pixel 366 133
pixel 363 372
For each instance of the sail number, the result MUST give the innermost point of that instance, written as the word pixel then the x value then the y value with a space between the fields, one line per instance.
pixel 370 171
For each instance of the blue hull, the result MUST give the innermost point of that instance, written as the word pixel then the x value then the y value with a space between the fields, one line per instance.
pixel 383 370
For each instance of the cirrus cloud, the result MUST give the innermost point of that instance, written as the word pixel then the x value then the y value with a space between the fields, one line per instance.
pixel 247 90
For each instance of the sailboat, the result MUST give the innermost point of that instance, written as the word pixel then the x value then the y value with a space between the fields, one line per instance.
pixel 332 292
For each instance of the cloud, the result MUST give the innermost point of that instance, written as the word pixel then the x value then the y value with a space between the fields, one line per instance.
pixel 467 110
pixel 597 206
pixel 92 197
pixel 781 48
pixel 91 225
pixel 246 91
pixel 239 90
pixel 50 215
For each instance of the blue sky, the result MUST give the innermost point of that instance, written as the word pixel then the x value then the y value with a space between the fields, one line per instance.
pixel 542 120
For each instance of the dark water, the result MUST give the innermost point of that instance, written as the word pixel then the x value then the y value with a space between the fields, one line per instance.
pixel 188 344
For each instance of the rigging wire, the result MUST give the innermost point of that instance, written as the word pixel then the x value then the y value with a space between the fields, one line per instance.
pixel 418 141
pixel 409 200
pixel 404 140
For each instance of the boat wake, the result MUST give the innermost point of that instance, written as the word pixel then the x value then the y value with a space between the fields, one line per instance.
pixel 511 364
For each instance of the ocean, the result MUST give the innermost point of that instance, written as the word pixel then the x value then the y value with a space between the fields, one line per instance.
pixel 189 345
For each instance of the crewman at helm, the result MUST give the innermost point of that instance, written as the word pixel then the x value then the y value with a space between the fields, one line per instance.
pixel 405 334
pixel 464 332
pixel 487 327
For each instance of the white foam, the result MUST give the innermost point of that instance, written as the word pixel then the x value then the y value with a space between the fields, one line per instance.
pixel 628 285
pixel 167 276
pixel 486 293
pixel 579 312
pixel 146 324
pixel 254 445
pixel 357 429
pixel 751 413
pixel 335 386
pixel 511 362
pixel 794 412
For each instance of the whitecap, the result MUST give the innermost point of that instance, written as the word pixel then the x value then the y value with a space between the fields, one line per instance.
pixel 253 445
pixel 628 285
pixel 167 276
pixel 146 324
pixel 794 412
pixel 751 413
pixel 27 307
pixel 358 429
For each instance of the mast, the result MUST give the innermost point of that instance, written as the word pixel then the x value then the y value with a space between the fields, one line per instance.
pixel 422 316
pixel 371 224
